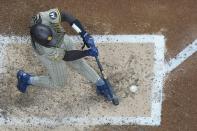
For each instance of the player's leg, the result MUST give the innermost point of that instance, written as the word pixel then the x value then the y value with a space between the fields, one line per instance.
pixel 57 74
pixel 87 71
pixel 80 65
pixel 25 79
pixel 84 69
pixel 56 78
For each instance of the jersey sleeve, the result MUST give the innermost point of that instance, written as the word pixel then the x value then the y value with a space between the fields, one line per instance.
pixel 52 16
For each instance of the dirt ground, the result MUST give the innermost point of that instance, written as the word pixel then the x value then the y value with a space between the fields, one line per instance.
pixel 174 19
pixel 135 69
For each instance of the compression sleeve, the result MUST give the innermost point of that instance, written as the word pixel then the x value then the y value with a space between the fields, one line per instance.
pixel 75 23
pixel 74 55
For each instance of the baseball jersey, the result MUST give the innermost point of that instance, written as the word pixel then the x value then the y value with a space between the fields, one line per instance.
pixel 52 19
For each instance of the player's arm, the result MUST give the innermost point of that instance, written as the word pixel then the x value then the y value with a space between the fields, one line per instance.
pixel 77 26
pixel 87 39
pixel 74 23
pixel 78 54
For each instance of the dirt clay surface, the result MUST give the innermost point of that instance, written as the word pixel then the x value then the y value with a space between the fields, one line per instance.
pixel 78 98
pixel 175 19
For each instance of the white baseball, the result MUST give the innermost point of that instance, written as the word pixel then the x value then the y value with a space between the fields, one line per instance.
pixel 133 88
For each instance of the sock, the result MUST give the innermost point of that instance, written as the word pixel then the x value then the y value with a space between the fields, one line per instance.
pixel 100 82
pixel 30 80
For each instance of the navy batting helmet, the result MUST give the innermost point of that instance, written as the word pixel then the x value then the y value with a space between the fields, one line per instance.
pixel 43 35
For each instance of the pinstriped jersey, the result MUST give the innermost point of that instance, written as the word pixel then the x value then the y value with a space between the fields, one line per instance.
pixel 51 18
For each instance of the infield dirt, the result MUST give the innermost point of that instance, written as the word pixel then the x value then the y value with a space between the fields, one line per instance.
pixel 176 20
pixel 126 64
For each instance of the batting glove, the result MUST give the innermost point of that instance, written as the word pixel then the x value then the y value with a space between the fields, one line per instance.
pixel 88 40
pixel 92 52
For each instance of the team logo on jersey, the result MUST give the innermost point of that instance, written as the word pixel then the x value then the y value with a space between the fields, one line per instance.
pixel 53 15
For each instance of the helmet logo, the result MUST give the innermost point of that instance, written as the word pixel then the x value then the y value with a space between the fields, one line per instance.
pixel 53 15
pixel 49 38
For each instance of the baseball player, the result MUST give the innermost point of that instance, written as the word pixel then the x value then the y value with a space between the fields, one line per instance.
pixel 55 50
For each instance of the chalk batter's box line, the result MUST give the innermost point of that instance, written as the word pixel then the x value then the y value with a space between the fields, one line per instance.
pixel 156 94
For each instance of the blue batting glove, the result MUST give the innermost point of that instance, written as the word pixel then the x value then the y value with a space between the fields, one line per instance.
pixel 88 40
pixel 92 51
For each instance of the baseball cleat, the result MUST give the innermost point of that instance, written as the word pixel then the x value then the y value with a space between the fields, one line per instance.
pixel 103 90
pixel 23 79
pixel 107 91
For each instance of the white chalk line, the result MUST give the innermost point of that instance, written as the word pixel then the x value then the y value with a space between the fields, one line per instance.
pixel 156 95
pixel 145 39
pixel 181 57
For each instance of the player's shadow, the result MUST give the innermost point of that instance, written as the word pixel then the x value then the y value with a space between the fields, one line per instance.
pixel 24 100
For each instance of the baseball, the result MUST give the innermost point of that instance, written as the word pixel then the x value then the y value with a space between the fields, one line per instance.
pixel 133 88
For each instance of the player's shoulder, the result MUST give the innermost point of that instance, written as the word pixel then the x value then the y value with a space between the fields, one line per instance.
pixel 52 15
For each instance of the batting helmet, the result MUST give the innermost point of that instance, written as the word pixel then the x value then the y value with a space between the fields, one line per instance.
pixel 43 35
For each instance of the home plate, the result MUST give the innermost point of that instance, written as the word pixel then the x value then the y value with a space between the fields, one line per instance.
pixel 133 64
